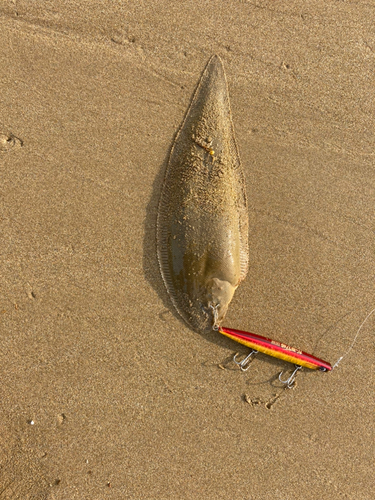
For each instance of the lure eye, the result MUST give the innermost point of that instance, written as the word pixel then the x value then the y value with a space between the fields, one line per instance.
pixel 322 369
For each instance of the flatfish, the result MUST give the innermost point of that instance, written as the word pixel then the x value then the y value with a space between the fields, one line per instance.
pixel 202 225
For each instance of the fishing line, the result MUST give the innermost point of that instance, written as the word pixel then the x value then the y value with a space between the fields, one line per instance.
pixel 354 340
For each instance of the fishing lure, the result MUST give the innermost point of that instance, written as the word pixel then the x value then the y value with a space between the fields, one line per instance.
pixel 276 349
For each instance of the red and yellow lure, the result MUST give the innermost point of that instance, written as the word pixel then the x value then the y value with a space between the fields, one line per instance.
pixel 257 343
pixel 276 349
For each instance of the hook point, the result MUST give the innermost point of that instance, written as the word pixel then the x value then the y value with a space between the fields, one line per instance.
pixel 289 382
pixel 245 363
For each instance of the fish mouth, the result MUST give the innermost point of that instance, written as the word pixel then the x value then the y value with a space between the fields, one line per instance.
pixel 213 318
pixel 203 319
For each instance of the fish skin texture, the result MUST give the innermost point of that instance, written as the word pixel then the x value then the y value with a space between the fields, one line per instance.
pixel 202 226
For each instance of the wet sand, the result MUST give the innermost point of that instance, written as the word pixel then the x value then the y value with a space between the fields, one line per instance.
pixel 105 392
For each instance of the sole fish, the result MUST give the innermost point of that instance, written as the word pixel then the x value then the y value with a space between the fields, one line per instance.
pixel 202 226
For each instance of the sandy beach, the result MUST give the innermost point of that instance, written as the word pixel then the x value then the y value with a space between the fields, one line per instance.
pixel 105 392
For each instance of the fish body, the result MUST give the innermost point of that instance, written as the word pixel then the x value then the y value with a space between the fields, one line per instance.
pixel 202 226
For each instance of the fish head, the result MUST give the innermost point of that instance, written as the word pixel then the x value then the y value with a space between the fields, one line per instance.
pixel 219 293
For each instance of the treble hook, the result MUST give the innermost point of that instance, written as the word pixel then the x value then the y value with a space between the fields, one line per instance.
pixel 291 380
pixel 245 363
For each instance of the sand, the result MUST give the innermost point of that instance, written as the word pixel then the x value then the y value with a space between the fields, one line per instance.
pixel 105 392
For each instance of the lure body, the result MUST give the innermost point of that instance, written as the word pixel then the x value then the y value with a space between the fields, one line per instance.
pixel 202 227
pixel 276 349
